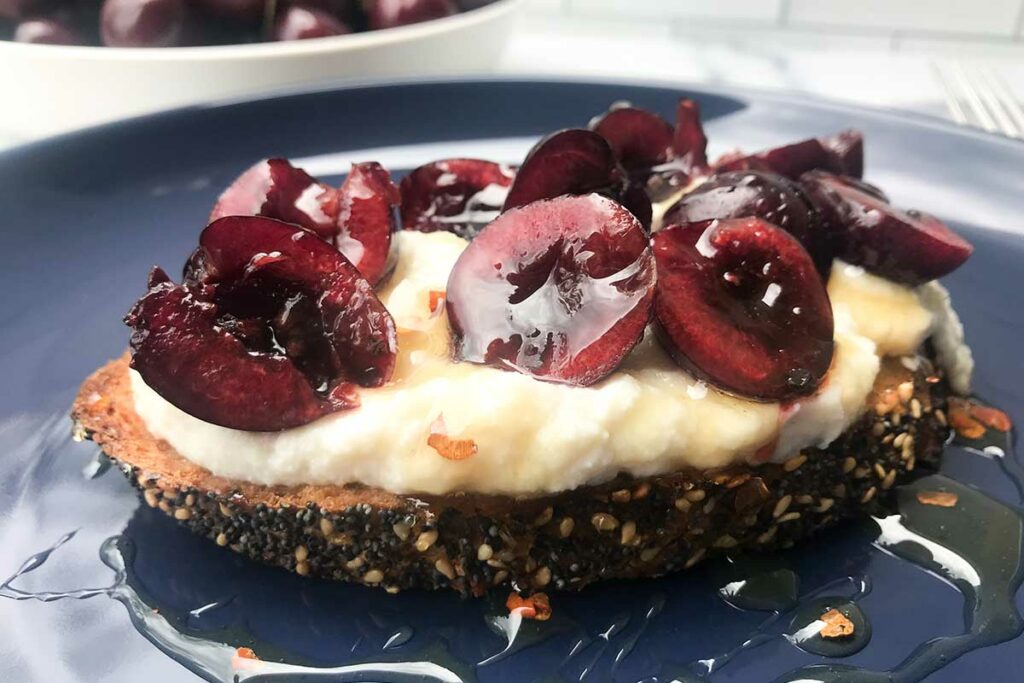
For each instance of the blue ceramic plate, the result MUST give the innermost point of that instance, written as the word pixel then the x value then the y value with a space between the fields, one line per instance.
pixel 84 216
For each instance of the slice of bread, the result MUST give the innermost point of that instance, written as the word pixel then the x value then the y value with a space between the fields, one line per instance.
pixel 468 542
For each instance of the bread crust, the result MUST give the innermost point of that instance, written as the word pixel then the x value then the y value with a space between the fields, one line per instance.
pixel 625 528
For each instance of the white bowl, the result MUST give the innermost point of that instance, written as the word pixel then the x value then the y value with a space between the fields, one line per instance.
pixel 49 89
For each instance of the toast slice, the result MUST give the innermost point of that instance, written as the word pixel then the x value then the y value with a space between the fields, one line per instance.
pixel 625 528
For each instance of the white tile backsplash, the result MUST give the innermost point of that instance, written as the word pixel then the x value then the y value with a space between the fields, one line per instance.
pixel 989 17
pixel 998 21
pixel 761 11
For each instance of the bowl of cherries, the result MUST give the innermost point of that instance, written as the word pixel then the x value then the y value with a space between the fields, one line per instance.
pixel 79 62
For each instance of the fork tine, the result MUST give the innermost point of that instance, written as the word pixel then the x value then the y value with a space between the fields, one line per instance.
pixel 949 93
pixel 974 101
pixel 992 104
pixel 1005 100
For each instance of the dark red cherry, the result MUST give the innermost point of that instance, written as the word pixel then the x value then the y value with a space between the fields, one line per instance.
pixel 560 289
pixel 842 153
pixel 689 144
pixel 392 13
pixel 47 31
pixel 367 216
pixel 244 11
pixel 739 303
pixel 298 22
pixel 186 355
pixel 778 200
pixel 575 161
pixel 276 189
pixel 143 23
pixel 639 138
pixel 457 195
pixel 270 330
pixel 905 246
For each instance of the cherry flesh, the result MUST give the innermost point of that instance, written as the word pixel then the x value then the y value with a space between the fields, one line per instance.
pixel 559 289
pixel 906 246
pixel 760 194
pixel 457 195
pixel 740 304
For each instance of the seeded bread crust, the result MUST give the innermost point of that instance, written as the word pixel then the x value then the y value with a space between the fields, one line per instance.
pixel 626 528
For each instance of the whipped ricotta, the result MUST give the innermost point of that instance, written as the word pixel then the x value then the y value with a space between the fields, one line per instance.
pixel 648 417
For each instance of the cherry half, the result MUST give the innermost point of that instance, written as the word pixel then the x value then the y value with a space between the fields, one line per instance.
pixel 368 204
pixel 906 246
pixel 575 161
pixel 739 303
pixel 559 289
pixel 276 189
pixel 457 195
pixel 391 13
pixel 842 153
pixel 270 330
pixel 737 194
pixel 640 139
pixel 358 219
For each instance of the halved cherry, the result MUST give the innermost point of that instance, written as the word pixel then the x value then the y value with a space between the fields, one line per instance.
pixel 576 162
pixel 560 289
pixel 907 246
pixel 367 216
pixel 639 138
pixel 760 194
pixel 276 189
pixel 740 304
pixel 842 153
pixel 270 303
pixel 457 195
pixel 689 144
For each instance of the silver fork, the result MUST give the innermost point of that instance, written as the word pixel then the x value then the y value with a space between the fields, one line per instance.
pixel 978 96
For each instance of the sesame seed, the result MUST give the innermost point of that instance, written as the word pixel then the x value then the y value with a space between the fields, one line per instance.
pixel 683 505
pixel 738 480
pixel 768 535
pixel 915 408
pixel 151 497
pixel 896 419
pixel 889 480
pixel 326 526
pixel 788 517
pixel 621 496
pixel 868 495
pixel 878 429
pixel 496 563
pixel 190 500
pixel 542 577
pixel 602 521
pixel 782 505
pixel 910 463
pixel 825 505
pixel 544 517
pixel 484 552
pixel 402 530
pixel 165 505
pixel 900 438
pixel 426 539
pixel 226 511
pixel 908 448
pixel 443 566
pixel 794 463
pixel 373 576
pixel 905 390
pixel 302 569
pixel 499 577
pixel 628 533
pixel 695 496
pixel 641 491
pixel 695 558
pixel 392 590
pixel 566 526
pixel 355 563
pixel 880 471
pixel 709 506
pixel 848 464
pixel 941 417
pixel 805 499
pixel 222 540
pixel 301 553
pixel 726 541
pixel 860 472
pixel 649 554
pixel 182 514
